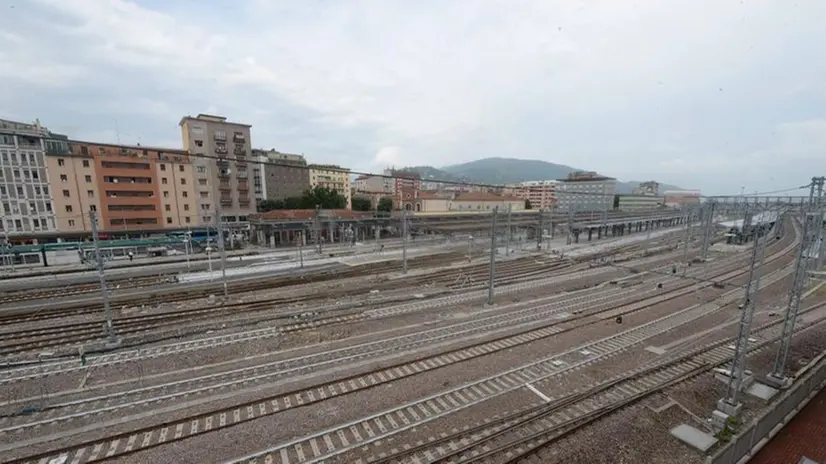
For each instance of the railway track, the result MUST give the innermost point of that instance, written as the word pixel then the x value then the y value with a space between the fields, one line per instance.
pixel 516 436
pixel 63 291
pixel 348 437
pixel 26 340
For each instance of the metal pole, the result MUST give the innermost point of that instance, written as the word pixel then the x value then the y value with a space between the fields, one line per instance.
pixel 492 254
pixel 687 239
pixel 738 366
pixel 778 370
pixel 404 242
pixel 817 245
pixel 317 229
pixel 470 248
pixel 220 226
pixel 540 231
pixel 551 221
pixel 708 231
pixel 301 250
pixel 508 233
pixel 109 329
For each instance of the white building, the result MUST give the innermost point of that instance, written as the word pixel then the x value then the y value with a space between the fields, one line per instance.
pixel 25 199
pixel 586 191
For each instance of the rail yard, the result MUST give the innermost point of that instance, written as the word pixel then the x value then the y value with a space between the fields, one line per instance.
pixel 578 352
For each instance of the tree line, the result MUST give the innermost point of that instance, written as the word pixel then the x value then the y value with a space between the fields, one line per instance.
pixel 324 198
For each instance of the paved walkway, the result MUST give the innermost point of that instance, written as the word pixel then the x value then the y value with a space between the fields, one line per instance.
pixel 805 436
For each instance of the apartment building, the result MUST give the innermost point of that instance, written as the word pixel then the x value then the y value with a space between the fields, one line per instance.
pixel 374 184
pixel 220 154
pixel 540 193
pixel 283 175
pixel 648 188
pixel 639 202
pixel 586 191
pixel 26 202
pixel 333 177
pixel 132 187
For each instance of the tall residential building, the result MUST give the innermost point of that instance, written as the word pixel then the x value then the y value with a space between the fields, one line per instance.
pixel 540 193
pixel 284 175
pixel 220 152
pixel 332 177
pixel 131 187
pixel 25 195
pixel 586 191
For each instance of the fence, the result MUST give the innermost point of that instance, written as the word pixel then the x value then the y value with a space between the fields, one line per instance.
pixel 766 426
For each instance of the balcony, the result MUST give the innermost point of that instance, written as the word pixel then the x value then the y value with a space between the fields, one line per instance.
pixel 220 136
pixel 240 150
pixel 244 202
pixel 240 161
pixel 226 201
pixel 223 174
pixel 239 138
pixel 242 175
pixel 221 149
pixel 224 186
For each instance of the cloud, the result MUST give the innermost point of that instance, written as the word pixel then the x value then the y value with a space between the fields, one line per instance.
pixel 677 91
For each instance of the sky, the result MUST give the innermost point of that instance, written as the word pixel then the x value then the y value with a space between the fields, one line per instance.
pixel 716 95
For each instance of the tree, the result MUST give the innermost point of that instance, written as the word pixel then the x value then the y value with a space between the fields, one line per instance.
pixel 528 204
pixel 385 204
pixel 269 205
pixel 361 204
pixel 323 197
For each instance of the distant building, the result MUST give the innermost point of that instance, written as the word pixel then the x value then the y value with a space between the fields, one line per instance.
pixel 483 201
pixel 649 188
pixel 284 175
pixel 586 191
pixel 679 198
pixel 540 193
pixel 639 202
pixel 332 177
pixel 26 204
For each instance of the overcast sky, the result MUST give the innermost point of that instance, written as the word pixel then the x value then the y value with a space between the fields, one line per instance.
pixel 708 94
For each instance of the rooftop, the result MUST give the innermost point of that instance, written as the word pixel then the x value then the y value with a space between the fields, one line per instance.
pixel 177 151
pixel 211 118
pixel 309 214
pixel 484 196
pixel 328 167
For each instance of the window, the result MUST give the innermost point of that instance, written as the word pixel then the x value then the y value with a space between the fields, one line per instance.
pixel 202 181
pixel 167 207
pixel 181 167
pixel 88 179
pixel 204 194
pixel 186 207
pixel 66 194
pixel 184 194
pixel 199 143
pixel 186 219
pixel 90 193
pixel 36 190
pixel 72 221
pixel 201 169
pixel 2 190
pixel 169 220
pixel 93 208
pixel 163 180
pixel 85 163
pixel 19 191
pixel 183 181
pixel 64 178
pixel 166 194
pixel 61 162
pixel 45 190
pixel 163 167
pixel 35 223
pixel 68 208
pixel 84 150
